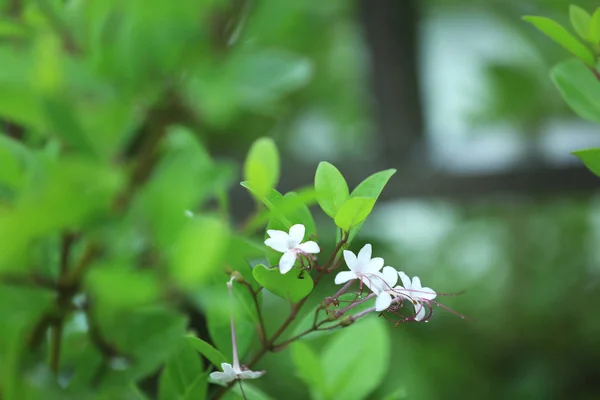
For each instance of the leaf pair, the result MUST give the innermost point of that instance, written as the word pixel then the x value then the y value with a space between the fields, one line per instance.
pixel 347 209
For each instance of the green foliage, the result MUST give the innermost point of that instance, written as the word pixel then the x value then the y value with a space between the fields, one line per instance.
pixel 183 376
pixel 292 286
pixel 309 368
pixel 561 36
pixel 261 170
pixel 353 212
pixel 594 28
pixel 579 87
pixel 213 355
pixel 580 20
pixel 591 159
pixel 331 188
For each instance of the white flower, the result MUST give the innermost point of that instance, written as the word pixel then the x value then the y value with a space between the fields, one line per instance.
pixel 290 245
pixel 232 372
pixel 383 287
pixel 361 267
pixel 415 293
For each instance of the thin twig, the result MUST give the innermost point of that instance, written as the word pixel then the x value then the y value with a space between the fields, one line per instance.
pixel 262 332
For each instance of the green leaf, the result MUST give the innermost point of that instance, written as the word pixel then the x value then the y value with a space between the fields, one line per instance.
pixel 594 28
pixel 591 159
pixel 118 287
pixel 147 337
pixel 331 188
pixel 309 368
pixel 293 286
pixel 261 169
pixel 579 87
pixel 373 185
pixel 353 371
pixel 183 376
pixel 251 392
pixel 580 20
pixel 353 212
pixel 213 355
pixel 199 251
pixel 561 36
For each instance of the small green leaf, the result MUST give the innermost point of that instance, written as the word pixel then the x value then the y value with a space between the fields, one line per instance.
pixel 251 392
pixel 561 36
pixel 354 371
pixel 199 251
pixel 373 185
pixel 183 376
pixel 213 355
pixel 331 188
pixel 308 367
pixel 293 286
pixel 594 28
pixel 591 159
pixel 580 20
pixel 261 169
pixel 353 212
pixel 579 87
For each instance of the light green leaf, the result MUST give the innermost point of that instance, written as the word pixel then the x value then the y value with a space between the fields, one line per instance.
pixel 591 159
pixel 354 370
pixel 199 251
pixel 579 87
pixel 353 212
pixel 373 185
pixel 183 376
pixel 561 36
pixel 331 188
pixel 213 355
pixel 261 169
pixel 580 20
pixel 309 368
pixel 594 28
pixel 293 286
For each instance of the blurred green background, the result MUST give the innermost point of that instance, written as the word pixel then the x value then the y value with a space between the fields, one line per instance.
pixel 455 94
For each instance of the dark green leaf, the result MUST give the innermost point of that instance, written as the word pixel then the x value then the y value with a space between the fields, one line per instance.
pixel 293 286
pixel 183 376
pixel 308 367
pixel 354 371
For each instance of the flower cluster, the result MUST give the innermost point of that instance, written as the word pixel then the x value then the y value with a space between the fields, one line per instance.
pixel 382 281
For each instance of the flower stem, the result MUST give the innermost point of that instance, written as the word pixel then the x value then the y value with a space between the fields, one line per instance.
pixel 236 361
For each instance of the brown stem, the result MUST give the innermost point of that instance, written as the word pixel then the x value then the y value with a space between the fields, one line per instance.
pixel 262 332
pixel 55 345
pixel 329 264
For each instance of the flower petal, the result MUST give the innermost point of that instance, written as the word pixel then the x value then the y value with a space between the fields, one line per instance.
pixel 286 262
pixel 390 276
pixel 350 259
pixel 250 374
pixel 426 293
pixel 297 233
pixel 278 235
pixel 384 300
pixel 344 276
pixel 419 311
pixel 221 378
pixel 277 245
pixel 228 369
pixel 416 283
pixel 405 280
pixel 309 247
pixel 372 266
pixel 364 255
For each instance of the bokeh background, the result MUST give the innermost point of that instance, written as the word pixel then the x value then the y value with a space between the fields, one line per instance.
pixel 488 205
pixel 487 200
